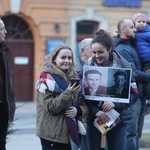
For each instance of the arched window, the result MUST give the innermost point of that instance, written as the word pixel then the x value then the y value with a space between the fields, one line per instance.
pixel 16 28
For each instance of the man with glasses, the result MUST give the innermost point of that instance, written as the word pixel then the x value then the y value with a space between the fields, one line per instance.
pixel 7 99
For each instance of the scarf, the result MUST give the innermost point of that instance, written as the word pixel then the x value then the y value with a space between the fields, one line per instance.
pixel 57 85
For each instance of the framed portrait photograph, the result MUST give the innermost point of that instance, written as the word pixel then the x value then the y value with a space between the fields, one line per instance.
pixel 106 83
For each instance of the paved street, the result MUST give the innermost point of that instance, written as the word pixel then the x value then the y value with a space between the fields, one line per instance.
pixel 24 137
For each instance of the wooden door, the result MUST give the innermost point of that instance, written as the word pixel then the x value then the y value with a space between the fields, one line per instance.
pixel 22 66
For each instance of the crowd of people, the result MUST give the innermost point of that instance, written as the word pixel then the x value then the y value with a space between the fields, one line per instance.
pixel 61 101
pixel 60 105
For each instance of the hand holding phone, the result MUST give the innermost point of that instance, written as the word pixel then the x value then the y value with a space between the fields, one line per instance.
pixel 75 80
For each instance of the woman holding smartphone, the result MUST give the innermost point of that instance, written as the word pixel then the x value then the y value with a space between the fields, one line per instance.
pixel 57 101
pixel 105 56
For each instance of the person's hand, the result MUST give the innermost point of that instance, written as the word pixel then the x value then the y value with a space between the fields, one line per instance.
pixel 108 106
pixel 74 88
pixel 71 113
pixel 102 116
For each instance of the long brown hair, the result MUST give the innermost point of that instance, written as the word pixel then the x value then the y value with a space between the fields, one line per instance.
pixel 49 62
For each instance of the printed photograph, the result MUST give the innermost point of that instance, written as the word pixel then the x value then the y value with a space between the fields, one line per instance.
pixel 106 83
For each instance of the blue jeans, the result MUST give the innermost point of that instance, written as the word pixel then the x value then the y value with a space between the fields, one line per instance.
pixel 83 142
pixel 116 138
pixel 73 145
pixel 134 129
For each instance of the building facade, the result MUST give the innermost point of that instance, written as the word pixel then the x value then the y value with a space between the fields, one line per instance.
pixel 35 27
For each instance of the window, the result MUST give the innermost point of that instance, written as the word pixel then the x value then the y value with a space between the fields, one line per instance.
pixel 85 29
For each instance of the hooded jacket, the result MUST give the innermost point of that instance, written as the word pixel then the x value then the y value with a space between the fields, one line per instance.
pixel 143 43
pixel 51 124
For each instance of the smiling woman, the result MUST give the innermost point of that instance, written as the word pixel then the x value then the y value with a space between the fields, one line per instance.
pixel 105 56
pixel 58 101
pixel 64 59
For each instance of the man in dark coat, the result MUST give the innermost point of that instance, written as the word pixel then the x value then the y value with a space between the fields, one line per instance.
pixel 124 45
pixel 7 99
pixel 119 90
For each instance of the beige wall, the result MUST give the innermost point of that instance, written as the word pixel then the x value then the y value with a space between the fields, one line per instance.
pixel 112 14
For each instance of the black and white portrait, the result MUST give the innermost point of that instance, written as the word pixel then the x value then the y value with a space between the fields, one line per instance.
pixel 106 83
pixel 120 85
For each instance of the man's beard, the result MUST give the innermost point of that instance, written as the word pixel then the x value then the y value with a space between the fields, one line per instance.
pixel 132 40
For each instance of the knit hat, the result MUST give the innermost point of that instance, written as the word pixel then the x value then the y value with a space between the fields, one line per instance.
pixel 138 15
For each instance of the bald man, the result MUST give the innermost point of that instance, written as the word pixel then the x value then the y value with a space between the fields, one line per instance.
pixel 124 45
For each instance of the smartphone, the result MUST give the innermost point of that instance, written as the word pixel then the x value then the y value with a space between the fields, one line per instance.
pixel 75 80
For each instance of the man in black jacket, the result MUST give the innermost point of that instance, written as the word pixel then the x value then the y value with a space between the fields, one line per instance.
pixel 7 99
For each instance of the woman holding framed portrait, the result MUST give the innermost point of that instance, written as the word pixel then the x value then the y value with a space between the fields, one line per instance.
pixel 105 56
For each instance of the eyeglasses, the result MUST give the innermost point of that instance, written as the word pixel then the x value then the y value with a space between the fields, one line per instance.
pixel 2 29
